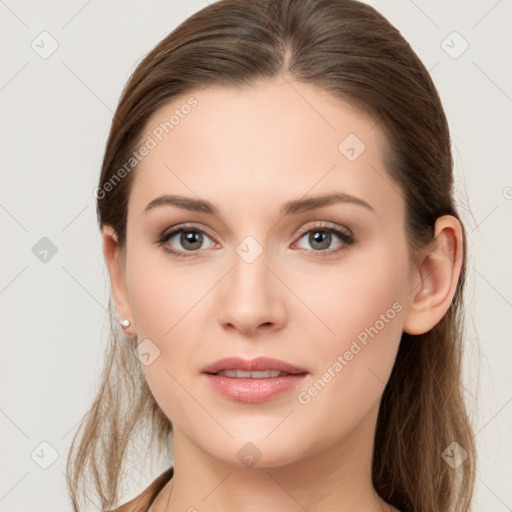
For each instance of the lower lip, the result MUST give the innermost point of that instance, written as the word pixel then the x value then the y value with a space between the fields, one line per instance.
pixel 253 390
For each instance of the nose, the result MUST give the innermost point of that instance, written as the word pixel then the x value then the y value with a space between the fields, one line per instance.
pixel 251 297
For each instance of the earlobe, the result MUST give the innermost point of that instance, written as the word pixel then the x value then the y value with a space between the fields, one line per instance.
pixel 438 274
pixel 115 264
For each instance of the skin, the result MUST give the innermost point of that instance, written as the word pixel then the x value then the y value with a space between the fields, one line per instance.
pixel 248 152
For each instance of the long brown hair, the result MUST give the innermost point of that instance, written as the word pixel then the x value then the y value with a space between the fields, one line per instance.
pixel 349 49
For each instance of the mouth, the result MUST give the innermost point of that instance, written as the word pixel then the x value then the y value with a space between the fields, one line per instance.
pixel 253 366
pixel 243 374
pixel 253 381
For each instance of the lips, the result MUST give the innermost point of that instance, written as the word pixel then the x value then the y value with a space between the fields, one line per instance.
pixel 253 381
pixel 259 364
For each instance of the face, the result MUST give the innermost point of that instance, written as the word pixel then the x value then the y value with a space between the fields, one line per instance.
pixel 319 285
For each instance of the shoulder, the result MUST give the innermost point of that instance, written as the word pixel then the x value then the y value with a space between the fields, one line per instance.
pixel 142 502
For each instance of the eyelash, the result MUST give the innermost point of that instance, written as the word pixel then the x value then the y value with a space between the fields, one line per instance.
pixel 346 239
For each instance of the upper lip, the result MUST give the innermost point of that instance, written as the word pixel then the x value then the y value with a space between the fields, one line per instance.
pixel 257 364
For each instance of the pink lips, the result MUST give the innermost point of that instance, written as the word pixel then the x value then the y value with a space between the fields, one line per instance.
pixel 257 364
pixel 250 389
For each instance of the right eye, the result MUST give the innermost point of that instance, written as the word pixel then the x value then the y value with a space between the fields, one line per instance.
pixel 184 239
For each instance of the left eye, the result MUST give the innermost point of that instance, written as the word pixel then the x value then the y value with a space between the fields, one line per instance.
pixel 320 239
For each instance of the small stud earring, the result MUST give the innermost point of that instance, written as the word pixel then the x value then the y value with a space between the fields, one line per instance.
pixel 125 323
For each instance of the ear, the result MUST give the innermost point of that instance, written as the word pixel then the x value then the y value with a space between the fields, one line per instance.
pixel 115 260
pixel 436 278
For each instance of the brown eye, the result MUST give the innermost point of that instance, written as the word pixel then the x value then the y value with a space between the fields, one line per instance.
pixel 191 240
pixel 183 240
pixel 321 238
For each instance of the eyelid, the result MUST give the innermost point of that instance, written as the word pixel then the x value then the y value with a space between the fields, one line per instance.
pixel 323 225
pixel 183 227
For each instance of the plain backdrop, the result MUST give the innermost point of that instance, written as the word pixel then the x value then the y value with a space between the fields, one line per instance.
pixel 55 115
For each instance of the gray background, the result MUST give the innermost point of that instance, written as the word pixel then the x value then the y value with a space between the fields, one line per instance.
pixel 56 112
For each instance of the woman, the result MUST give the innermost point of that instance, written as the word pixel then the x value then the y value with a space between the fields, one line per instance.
pixel 287 268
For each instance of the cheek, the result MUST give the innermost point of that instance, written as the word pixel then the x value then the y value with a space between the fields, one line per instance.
pixel 361 307
pixel 159 304
pixel 365 290
pixel 166 306
pixel 160 294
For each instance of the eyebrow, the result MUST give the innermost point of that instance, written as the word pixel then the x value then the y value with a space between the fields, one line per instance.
pixel 289 208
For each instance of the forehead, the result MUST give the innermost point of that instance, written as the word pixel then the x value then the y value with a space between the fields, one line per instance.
pixel 278 138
